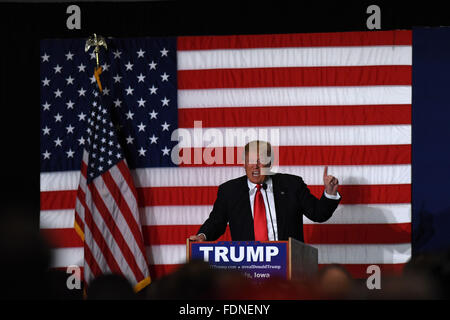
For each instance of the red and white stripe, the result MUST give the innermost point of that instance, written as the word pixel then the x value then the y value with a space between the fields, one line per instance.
pixel 337 99
pixel 107 217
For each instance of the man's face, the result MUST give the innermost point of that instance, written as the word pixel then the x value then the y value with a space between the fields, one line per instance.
pixel 255 170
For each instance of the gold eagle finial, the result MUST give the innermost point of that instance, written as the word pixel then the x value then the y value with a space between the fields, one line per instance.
pixel 96 42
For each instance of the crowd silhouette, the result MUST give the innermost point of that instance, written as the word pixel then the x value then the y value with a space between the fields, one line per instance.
pixel 25 259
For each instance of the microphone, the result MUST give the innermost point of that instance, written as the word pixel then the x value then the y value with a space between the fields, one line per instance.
pixel 264 186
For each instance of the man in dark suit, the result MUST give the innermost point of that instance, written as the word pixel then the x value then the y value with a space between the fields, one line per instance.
pixel 266 206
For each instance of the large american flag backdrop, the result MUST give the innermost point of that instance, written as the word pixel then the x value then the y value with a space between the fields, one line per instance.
pixel 337 99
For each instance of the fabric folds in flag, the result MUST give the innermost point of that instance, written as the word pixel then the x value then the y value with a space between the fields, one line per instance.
pixel 106 208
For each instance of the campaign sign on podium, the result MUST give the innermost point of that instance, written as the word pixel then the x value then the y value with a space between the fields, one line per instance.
pixel 256 260
pixel 290 259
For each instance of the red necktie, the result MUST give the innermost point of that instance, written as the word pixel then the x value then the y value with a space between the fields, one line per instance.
pixel 259 216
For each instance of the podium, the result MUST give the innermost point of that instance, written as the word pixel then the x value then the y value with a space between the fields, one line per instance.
pixel 292 259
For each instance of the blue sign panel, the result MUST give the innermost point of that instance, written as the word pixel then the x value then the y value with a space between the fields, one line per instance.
pixel 256 260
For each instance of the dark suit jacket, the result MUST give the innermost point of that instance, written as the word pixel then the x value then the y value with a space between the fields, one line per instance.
pixel 292 200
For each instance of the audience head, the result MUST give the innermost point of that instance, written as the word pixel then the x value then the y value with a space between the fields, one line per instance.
pixel 24 256
pixel 197 280
pixel 110 287
pixel 334 282
pixel 433 268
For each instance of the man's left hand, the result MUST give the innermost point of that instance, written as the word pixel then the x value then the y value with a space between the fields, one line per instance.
pixel 331 183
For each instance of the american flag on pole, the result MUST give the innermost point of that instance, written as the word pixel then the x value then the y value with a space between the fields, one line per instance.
pixel 106 210
pixel 336 99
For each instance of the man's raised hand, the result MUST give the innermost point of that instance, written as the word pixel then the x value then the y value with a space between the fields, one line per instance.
pixel 331 183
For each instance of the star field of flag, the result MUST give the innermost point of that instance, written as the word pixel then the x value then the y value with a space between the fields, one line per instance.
pixel 102 144
pixel 139 82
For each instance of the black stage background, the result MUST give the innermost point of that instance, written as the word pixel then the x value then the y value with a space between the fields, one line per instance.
pixel 23 25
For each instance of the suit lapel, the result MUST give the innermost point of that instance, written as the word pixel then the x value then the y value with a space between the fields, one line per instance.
pixel 280 208
pixel 246 210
